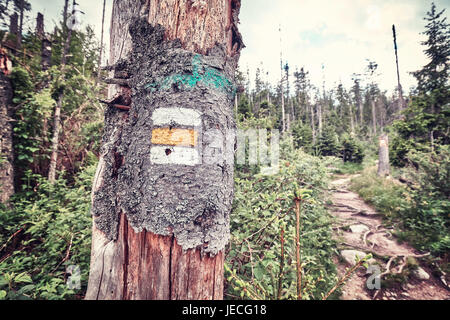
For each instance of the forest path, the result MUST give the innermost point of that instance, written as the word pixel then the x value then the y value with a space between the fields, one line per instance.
pixel 359 230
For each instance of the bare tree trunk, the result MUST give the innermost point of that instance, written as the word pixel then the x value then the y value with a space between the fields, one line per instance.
pixel 6 145
pixel 161 218
pixel 22 10
pixel 57 114
pixel 352 123
pixel 283 114
pixel 361 114
pixel 40 26
pixel 319 115
pixel 14 25
pixel 313 125
pixel 374 117
pixel 101 42
pixel 383 156
pixel 46 45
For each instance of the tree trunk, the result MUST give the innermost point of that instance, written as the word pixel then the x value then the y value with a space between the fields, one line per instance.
pixel 361 114
pixel 14 25
pixel 383 156
pixel 352 123
pixel 40 26
pixel 319 115
pixel 374 117
pixel 101 43
pixel 6 145
pixel 283 114
pixel 19 38
pixel 161 207
pixel 57 114
pixel 313 125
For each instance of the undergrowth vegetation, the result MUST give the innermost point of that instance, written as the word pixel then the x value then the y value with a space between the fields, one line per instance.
pixel 42 235
pixel 421 206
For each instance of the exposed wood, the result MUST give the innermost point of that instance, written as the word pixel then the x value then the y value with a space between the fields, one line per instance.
pixel 319 115
pixel 40 26
pixel 6 145
pixel 401 101
pixel 57 113
pixel 144 265
pixel 383 156
pixel 14 24
pixel 374 116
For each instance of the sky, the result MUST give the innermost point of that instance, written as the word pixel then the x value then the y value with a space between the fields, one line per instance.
pixel 331 39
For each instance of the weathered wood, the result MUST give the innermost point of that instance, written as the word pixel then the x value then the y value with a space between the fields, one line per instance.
pixel 374 116
pixel 129 261
pixel 14 24
pixel 383 156
pixel 6 146
pixel 40 26
pixel 58 106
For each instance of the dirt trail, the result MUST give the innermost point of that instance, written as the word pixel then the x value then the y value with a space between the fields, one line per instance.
pixel 359 230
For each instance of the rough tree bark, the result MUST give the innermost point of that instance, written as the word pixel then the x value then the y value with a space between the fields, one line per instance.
pixel 40 26
pixel 319 115
pixel 383 156
pixel 46 45
pixel 161 219
pixel 374 117
pixel 14 24
pixel 6 145
pixel 57 114
pixel 352 123
pixel 313 125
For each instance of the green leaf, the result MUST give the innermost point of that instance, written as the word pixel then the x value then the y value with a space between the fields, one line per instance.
pixel 23 278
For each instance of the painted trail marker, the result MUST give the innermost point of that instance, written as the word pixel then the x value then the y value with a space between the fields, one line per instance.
pixel 175 137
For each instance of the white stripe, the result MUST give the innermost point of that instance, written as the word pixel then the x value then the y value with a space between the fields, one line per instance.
pixel 180 116
pixel 177 155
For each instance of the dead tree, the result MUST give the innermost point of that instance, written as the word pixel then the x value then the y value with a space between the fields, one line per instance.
pixel 40 26
pixel 401 101
pixel 163 188
pixel 14 25
pixel 46 45
pixel 374 116
pixel 6 145
pixel 383 156
pixel 101 42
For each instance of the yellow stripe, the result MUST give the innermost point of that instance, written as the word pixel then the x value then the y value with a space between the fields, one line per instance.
pixel 175 137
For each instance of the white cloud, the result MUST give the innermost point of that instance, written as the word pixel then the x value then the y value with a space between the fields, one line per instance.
pixel 341 34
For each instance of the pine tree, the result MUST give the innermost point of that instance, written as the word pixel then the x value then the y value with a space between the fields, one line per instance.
pixel 435 75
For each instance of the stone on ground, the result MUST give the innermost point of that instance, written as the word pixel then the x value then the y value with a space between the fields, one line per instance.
pixel 421 274
pixel 352 256
pixel 359 228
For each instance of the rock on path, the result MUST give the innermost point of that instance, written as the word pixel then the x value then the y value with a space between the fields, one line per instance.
pixel 359 231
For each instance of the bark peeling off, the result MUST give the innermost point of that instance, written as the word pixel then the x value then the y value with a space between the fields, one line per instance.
pixel 190 202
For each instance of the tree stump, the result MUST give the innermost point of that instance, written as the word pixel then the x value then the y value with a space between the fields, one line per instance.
pixel 383 156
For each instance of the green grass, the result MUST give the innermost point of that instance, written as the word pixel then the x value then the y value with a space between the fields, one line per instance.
pixel 348 168
pixel 385 195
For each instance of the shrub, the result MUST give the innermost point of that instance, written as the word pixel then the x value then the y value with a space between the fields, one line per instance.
pixel 49 228
pixel 262 211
